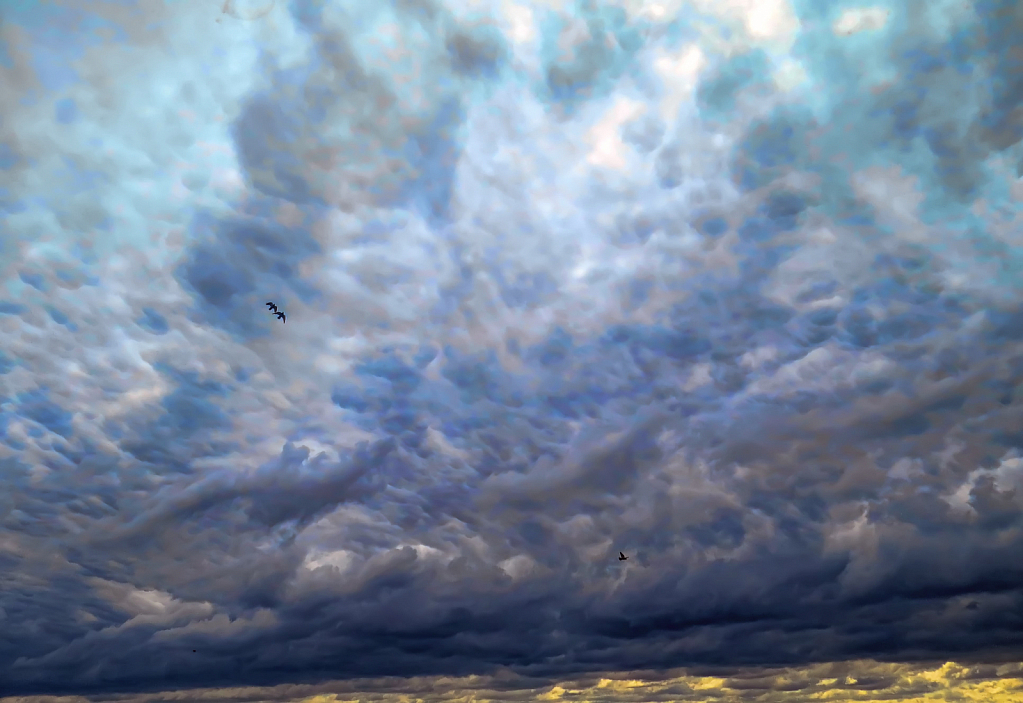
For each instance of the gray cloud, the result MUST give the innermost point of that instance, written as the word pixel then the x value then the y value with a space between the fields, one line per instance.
pixel 559 284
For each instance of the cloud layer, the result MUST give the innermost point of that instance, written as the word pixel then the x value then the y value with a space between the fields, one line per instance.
pixel 731 288
pixel 845 682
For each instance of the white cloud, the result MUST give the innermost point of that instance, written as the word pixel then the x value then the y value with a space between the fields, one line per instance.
pixel 861 19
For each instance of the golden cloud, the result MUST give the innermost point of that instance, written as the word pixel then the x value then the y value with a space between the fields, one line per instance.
pixel 836 682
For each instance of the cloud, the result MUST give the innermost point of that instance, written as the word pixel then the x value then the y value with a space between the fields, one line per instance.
pixel 846 681
pixel 732 290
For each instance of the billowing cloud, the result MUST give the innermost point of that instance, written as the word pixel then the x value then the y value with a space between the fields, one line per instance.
pixel 732 288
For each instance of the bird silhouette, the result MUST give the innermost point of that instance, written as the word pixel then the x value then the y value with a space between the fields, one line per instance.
pixel 273 308
pixel 281 317
pixel 622 557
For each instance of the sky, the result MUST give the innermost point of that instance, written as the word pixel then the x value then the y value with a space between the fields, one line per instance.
pixel 732 287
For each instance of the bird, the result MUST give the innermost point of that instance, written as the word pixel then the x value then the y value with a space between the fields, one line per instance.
pixel 281 317
pixel 273 308
pixel 622 557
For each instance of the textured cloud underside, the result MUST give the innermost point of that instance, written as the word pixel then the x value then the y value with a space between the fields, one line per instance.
pixel 731 287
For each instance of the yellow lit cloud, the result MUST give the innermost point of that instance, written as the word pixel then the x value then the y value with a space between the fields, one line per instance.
pixel 837 682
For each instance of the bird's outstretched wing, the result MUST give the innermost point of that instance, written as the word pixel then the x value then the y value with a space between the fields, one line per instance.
pixel 281 317
pixel 273 308
pixel 621 556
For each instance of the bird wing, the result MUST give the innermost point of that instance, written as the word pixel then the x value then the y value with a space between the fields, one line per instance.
pixel 283 317
pixel 622 555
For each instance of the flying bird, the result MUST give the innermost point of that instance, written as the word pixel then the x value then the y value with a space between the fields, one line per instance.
pixel 622 557
pixel 273 308
pixel 281 317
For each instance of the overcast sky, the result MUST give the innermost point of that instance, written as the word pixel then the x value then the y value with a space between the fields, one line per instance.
pixel 731 287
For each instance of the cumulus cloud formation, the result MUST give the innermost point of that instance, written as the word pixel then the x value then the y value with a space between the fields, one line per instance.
pixel 731 287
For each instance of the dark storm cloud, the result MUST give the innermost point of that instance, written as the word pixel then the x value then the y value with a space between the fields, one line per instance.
pixel 798 416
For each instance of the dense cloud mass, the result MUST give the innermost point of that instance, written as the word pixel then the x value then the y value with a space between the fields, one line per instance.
pixel 734 288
